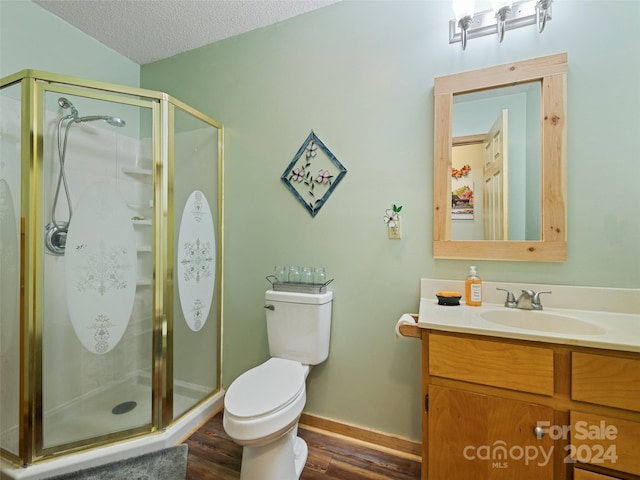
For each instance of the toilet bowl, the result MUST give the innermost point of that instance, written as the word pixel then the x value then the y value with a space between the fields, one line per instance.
pixel 262 408
pixel 263 405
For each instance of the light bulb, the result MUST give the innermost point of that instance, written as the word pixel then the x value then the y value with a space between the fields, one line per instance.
pixel 462 8
pixel 497 5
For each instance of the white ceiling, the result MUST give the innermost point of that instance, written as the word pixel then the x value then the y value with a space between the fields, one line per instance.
pixel 149 30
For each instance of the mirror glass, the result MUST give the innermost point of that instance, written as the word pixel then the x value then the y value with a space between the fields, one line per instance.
pixel 507 201
pixel 496 168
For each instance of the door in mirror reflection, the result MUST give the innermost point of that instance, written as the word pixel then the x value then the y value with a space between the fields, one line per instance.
pixel 495 173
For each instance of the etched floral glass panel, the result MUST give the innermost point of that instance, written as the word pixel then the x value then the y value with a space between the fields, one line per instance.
pixel 196 260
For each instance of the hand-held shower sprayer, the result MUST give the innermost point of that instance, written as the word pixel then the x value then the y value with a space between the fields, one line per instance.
pixel 56 231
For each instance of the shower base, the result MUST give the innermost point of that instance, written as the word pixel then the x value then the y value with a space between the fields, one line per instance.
pixel 91 416
pixel 66 425
pixel 94 415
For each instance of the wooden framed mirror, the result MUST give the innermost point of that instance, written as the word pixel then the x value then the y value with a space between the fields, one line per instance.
pixel 548 75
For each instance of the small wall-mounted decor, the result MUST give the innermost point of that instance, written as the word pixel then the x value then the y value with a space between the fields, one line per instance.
pixel 313 174
pixel 392 215
pixel 392 220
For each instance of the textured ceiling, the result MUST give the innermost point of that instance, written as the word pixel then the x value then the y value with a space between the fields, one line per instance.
pixel 150 30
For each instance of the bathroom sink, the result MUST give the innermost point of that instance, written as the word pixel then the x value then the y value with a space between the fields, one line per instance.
pixel 541 321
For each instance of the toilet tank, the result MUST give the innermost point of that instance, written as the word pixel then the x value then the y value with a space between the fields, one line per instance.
pixel 299 325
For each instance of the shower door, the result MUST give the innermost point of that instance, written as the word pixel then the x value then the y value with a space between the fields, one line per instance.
pixel 97 300
pixel 197 198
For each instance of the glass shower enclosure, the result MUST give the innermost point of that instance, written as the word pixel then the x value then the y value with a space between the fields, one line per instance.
pixel 110 273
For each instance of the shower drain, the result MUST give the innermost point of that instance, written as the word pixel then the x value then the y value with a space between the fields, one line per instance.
pixel 124 407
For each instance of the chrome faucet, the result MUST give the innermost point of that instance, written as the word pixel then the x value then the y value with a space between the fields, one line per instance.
pixel 528 299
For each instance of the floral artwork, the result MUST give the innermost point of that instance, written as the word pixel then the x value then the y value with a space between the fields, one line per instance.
pixel 313 174
pixel 461 199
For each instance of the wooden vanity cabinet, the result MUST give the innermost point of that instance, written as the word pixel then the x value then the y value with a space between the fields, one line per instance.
pixel 485 396
pixel 483 408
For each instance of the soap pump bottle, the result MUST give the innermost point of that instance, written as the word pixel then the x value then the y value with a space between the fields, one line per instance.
pixel 473 288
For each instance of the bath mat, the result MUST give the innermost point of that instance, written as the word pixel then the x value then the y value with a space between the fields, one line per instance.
pixel 166 464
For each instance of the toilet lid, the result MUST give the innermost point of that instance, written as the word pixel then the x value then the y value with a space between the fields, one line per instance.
pixel 265 388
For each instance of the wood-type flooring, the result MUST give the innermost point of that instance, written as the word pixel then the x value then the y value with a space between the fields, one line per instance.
pixel 214 456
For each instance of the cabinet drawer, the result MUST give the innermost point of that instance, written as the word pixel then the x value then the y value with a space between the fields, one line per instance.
pixel 606 380
pixel 579 474
pixel 605 441
pixel 499 364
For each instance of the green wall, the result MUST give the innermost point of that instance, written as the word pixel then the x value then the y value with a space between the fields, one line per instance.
pixel 360 74
pixel 31 37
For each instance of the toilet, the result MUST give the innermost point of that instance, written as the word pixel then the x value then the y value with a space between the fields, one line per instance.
pixel 263 405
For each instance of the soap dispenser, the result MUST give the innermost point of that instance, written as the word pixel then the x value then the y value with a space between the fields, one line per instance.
pixel 473 288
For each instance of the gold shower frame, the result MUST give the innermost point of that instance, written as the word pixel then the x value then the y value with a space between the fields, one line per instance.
pixel 34 84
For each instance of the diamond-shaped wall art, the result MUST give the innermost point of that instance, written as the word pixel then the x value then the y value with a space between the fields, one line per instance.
pixel 313 174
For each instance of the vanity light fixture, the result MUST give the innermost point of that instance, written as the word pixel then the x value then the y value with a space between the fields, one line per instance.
pixel 505 15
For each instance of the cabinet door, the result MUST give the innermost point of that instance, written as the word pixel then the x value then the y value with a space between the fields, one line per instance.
pixel 481 437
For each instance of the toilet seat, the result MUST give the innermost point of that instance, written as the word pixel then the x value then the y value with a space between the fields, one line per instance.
pixel 265 402
pixel 265 389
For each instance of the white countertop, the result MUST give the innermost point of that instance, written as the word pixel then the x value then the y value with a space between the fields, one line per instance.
pixel 608 330
pixel 612 314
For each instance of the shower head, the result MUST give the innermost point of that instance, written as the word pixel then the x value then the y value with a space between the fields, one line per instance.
pixel 114 121
pixel 64 103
